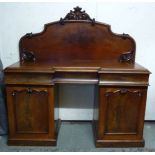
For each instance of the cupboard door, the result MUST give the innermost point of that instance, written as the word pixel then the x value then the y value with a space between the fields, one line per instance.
pixel 30 111
pixel 121 113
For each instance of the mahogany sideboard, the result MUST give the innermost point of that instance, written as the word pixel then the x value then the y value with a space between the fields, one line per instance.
pixel 76 49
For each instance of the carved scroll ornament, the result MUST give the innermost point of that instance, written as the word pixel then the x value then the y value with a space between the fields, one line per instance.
pixel 28 56
pixel 127 57
pixel 28 90
pixel 124 91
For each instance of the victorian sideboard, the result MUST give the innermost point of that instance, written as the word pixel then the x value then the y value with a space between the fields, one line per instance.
pixel 76 49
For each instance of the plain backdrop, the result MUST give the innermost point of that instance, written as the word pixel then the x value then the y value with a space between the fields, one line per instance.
pixel 136 19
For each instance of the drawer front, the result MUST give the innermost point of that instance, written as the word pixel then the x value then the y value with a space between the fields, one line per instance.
pixel 28 78
pixel 76 77
pixel 123 79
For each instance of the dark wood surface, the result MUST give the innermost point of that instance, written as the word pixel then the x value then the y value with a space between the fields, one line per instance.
pixel 76 49
pixel 77 40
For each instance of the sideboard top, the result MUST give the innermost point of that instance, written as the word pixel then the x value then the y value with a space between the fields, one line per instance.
pixel 77 66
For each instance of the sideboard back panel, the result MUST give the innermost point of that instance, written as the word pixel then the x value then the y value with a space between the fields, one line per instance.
pixel 77 40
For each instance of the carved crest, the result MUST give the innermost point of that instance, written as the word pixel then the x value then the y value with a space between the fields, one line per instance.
pixel 77 14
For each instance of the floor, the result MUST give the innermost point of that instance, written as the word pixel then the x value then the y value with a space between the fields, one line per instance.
pixel 78 137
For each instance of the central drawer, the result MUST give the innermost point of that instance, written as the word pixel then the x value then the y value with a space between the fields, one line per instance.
pixel 76 77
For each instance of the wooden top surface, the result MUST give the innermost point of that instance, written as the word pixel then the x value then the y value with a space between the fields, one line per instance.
pixel 77 66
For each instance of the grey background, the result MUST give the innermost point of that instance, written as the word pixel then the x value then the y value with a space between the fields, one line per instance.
pixel 3 114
